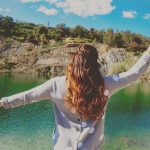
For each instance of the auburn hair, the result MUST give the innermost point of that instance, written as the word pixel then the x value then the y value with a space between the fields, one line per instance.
pixel 85 84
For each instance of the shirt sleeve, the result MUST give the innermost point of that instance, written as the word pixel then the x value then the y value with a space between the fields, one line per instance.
pixel 41 92
pixel 116 82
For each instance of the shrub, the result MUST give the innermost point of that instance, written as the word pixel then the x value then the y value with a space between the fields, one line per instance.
pixel 117 68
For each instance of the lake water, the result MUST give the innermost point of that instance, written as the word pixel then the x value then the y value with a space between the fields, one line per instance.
pixel 127 123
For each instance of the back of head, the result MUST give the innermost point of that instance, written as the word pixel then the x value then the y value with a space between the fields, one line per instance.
pixel 85 84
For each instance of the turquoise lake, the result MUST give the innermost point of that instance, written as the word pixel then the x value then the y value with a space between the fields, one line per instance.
pixel 127 123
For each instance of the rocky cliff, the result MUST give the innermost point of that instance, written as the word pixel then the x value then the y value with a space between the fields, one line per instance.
pixel 51 60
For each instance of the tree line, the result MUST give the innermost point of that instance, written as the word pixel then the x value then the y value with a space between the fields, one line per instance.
pixel 37 34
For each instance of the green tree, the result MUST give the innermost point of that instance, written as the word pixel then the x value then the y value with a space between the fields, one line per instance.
pixel 100 37
pixel 7 26
pixel 1 19
pixel 137 39
pixel 33 39
pixel 42 30
pixel 79 31
pixel 43 39
pixel 118 40
pixel 127 37
pixel 136 43
pixel 63 30
pixel 93 34
pixel 109 37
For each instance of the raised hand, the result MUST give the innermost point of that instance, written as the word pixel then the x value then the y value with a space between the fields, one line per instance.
pixel 1 104
pixel 148 49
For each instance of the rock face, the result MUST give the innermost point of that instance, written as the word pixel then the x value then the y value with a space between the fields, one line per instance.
pixel 52 60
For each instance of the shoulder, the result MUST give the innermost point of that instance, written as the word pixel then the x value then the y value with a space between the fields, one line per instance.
pixel 112 82
pixel 60 79
pixel 57 80
pixel 59 85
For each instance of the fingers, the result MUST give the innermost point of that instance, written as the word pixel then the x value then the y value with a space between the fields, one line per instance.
pixel 1 104
pixel 148 49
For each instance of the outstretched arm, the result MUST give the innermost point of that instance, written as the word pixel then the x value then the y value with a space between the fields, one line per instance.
pixel 124 79
pixel 41 92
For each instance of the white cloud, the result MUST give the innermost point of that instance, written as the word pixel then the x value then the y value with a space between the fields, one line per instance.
pixel 28 1
pixel 146 16
pixel 4 9
pixel 84 8
pixel 47 11
pixel 129 14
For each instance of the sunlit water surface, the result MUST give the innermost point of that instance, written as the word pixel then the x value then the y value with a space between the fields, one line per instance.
pixel 127 123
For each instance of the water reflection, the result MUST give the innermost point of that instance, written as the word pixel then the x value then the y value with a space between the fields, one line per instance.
pixel 141 86
pixel 29 127
pixel 127 119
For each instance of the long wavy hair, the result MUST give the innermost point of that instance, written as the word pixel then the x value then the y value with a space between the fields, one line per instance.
pixel 85 84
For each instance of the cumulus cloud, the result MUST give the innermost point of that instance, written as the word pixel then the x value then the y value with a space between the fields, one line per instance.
pixel 146 16
pixel 28 1
pixel 84 8
pixel 4 9
pixel 47 11
pixel 129 14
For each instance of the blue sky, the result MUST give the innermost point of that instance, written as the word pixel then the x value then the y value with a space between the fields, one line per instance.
pixel 133 15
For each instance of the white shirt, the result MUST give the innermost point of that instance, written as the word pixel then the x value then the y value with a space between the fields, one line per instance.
pixel 70 132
